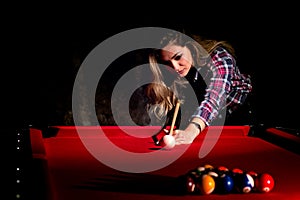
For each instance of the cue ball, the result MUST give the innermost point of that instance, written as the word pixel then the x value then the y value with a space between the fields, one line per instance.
pixel 169 141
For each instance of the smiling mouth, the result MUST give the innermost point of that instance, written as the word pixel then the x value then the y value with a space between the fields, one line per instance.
pixel 180 72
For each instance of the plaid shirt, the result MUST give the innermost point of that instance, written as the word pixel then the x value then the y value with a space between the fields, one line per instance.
pixel 226 86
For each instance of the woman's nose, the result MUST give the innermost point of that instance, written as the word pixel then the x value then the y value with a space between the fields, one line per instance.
pixel 175 65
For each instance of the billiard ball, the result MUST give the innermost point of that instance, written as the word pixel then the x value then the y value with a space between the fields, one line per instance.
pixel 190 183
pixel 254 175
pixel 223 169
pixel 200 170
pixel 264 183
pixel 235 171
pixel 185 183
pixel 205 184
pixel 208 167
pixel 224 184
pixel 243 182
pixel 168 141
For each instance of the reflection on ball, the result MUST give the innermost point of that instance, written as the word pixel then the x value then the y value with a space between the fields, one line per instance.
pixel 169 141
pixel 265 183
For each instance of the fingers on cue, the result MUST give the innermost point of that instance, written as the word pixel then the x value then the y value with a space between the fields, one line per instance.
pixel 175 133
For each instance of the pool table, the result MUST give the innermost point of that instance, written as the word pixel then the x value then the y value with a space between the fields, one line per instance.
pixel 123 162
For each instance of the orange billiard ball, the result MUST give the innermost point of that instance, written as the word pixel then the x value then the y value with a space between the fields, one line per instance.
pixel 206 184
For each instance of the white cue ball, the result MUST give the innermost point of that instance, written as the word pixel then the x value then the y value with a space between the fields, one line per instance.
pixel 169 141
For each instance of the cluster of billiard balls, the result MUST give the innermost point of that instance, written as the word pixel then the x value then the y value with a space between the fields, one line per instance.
pixel 221 180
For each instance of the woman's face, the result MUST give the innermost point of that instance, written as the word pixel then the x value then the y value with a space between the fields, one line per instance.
pixel 177 57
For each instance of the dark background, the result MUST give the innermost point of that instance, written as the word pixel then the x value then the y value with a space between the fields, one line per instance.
pixel 42 44
pixel 43 50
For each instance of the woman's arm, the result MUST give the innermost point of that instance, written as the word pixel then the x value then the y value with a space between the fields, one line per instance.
pixel 219 86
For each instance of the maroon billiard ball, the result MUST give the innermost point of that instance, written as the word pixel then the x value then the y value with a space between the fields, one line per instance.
pixel 190 184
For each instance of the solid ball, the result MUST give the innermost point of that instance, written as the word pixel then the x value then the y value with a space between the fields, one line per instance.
pixel 265 183
pixel 206 184
pixel 223 169
pixel 200 170
pixel 189 184
pixel 235 171
pixel 208 167
pixel 224 184
pixel 169 141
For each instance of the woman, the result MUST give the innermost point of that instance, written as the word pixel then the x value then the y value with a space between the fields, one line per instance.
pixel 209 66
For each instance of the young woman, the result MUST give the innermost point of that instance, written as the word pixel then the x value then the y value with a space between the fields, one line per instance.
pixel 210 67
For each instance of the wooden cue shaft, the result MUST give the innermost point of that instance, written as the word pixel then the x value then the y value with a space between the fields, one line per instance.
pixel 174 117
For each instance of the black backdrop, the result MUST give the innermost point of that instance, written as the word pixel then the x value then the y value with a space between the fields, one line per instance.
pixel 40 53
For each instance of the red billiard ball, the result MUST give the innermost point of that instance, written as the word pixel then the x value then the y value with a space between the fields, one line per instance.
pixel 223 169
pixel 264 183
pixel 235 171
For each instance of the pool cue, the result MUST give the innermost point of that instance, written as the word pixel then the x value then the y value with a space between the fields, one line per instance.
pixel 174 117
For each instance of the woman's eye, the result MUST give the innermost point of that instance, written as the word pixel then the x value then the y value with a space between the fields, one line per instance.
pixel 178 57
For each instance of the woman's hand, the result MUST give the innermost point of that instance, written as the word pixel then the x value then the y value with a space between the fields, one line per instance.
pixel 186 136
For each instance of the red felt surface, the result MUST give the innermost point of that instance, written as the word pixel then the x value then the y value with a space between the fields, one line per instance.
pixel 37 146
pixel 75 173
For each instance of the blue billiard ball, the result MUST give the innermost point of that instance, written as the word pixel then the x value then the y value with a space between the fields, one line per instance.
pixel 225 184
